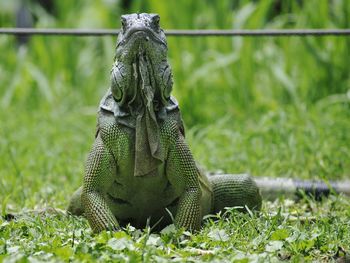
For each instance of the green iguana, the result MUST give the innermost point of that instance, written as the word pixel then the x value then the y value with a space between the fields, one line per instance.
pixel 140 166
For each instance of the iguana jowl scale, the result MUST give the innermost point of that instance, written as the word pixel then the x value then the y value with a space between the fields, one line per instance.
pixel 140 165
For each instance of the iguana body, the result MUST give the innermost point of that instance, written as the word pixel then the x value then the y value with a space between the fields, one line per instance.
pixel 140 166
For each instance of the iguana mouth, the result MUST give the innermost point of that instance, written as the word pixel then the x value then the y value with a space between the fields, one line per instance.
pixel 141 32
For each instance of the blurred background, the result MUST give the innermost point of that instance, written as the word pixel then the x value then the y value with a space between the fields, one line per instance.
pixel 269 106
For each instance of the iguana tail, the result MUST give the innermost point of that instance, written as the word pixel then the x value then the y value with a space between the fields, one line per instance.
pixel 240 190
pixel 234 190
pixel 273 188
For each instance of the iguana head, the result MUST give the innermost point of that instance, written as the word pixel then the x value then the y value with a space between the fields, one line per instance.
pixel 141 33
pixel 141 82
pixel 141 73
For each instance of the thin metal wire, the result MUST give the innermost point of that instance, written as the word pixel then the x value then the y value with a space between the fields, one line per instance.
pixel 173 32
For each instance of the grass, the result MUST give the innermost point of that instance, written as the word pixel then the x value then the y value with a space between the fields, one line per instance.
pixel 271 106
pixel 226 237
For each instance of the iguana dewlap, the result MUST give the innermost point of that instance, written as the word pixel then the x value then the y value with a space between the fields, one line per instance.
pixel 140 166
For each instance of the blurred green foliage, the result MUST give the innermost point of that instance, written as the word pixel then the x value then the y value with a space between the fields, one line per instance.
pixel 229 76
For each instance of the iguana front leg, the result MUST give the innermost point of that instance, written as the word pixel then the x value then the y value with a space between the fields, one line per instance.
pixel 183 174
pixel 97 175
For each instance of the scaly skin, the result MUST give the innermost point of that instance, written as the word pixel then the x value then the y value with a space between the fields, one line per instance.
pixel 140 166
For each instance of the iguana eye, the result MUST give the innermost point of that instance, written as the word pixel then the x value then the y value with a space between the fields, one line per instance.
pixel 155 21
pixel 123 22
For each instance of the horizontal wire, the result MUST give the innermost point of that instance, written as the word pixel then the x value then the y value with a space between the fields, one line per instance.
pixel 174 32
